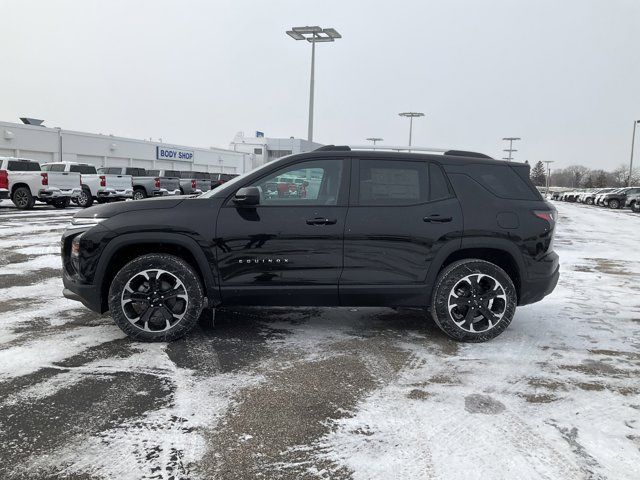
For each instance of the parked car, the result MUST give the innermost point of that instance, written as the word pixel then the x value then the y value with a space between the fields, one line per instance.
pixel 590 197
pixel 618 199
pixel 144 185
pixel 218 179
pixel 169 180
pixel 600 196
pixel 189 183
pixel 95 186
pixel 23 181
pixel 461 234
pixel 633 201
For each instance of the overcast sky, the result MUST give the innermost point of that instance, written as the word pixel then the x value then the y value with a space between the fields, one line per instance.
pixel 562 74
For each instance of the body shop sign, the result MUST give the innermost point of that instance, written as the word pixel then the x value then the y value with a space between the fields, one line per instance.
pixel 165 153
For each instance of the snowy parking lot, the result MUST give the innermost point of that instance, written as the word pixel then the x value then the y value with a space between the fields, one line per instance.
pixel 325 393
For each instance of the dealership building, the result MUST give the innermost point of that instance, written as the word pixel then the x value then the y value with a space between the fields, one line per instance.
pixel 35 141
pixel 265 149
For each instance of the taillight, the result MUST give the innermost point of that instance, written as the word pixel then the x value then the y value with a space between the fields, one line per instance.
pixel 4 179
pixel 548 215
pixel 193 184
pixel 103 181
pixel 45 178
pixel 157 183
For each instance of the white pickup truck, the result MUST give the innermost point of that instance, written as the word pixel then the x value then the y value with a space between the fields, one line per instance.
pixel 23 181
pixel 102 187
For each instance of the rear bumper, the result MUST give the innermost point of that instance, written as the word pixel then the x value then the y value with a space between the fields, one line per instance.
pixel 114 193
pixel 4 193
pixel 542 280
pixel 52 192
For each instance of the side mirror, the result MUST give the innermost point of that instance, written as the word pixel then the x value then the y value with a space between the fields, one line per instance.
pixel 247 196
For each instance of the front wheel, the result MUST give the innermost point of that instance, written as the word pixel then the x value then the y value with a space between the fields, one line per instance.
pixel 615 204
pixel 473 300
pixel 139 194
pixel 85 199
pixel 156 298
pixel 589 201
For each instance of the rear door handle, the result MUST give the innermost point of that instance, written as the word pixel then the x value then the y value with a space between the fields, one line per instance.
pixel 436 218
pixel 321 221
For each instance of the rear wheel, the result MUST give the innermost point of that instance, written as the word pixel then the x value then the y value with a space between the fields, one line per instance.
pixel 139 194
pixel 589 201
pixel 156 298
pixel 61 202
pixel 23 199
pixel 473 301
pixel 85 199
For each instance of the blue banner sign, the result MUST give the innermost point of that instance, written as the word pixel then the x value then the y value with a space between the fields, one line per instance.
pixel 165 153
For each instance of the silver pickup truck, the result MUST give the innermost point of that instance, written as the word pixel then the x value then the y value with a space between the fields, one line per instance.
pixel 169 180
pixel 144 185
pixel 189 184
pixel 95 186
pixel 22 180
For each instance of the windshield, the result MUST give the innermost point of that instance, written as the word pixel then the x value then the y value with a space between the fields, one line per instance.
pixel 224 189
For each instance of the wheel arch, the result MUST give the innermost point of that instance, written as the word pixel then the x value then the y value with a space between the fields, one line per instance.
pixel 125 248
pixel 498 252
pixel 15 186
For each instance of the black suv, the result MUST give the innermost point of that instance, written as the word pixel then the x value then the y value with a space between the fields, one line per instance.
pixel 461 234
pixel 618 198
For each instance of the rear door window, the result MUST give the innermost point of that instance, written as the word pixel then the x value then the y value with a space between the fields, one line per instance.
pixel 392 182
pixel 438 184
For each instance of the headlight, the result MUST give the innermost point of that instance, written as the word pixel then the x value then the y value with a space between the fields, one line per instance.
pixel 84 223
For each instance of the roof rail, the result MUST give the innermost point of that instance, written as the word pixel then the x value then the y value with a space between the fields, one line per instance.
pixel 443 151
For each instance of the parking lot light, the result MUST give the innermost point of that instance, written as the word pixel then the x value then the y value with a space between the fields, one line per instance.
pixel 313 34
pixel 633 138
pixel 411 116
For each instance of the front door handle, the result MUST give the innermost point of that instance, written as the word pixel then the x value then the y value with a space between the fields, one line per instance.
pixel 321 221
pixel 436 218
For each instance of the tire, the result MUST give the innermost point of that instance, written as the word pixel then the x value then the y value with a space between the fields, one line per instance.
pixel 589 201
pixel 181 191
pixel 458 279
pixel 636 207
pixel 85 199
pixel 23 199
pixel 61 202
pixel 139 194
pixel 615 204
pixel 174 274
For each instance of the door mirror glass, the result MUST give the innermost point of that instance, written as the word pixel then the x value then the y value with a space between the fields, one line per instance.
pixel 247 196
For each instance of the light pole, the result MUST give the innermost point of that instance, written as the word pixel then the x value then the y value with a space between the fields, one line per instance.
pixel 374 140
pixel 411 116
pixel 313 35
pixel 633 138
pixel 548 174
pixel 510 149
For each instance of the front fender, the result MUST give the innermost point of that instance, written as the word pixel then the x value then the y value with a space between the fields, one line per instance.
pixel 205 262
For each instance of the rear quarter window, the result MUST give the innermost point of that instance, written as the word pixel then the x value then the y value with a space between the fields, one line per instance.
pixel 502 181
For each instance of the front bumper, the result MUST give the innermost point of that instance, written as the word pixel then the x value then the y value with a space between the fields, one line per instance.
pixel 114 193
pixel 52 192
